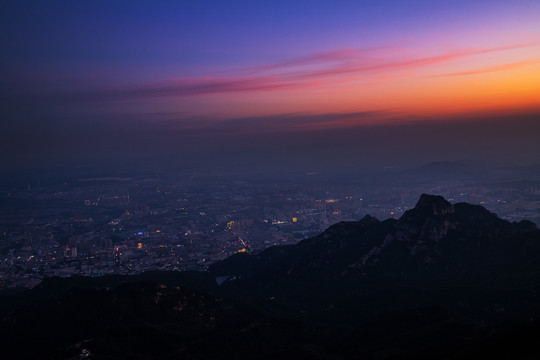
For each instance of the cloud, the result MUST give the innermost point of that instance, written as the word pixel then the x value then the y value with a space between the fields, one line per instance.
pixel 314 70
pixel 382 65
pixel 339 55
pixel 185 87
pixel 491 69
pixel 294 122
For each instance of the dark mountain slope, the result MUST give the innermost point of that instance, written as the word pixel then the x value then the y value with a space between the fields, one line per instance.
pixel 149 321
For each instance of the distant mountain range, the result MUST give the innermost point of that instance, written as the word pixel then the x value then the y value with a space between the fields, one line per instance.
pixel 445 281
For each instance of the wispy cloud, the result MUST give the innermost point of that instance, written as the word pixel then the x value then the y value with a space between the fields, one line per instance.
pixel 186 87
pixel 382 65
pixel 314 70
pixel 296 122
pixel 491 69
pixel 326 57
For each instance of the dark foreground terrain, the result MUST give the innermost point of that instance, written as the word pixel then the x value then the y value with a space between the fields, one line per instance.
pixel 442 282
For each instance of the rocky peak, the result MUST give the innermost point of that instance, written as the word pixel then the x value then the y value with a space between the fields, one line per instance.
pixel 433 205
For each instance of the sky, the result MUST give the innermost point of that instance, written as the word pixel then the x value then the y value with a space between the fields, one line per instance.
pixel 299 83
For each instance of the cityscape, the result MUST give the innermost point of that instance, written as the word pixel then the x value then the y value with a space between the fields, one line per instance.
pixel 129 225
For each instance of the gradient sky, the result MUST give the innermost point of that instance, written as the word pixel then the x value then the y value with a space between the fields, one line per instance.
pixel 380 82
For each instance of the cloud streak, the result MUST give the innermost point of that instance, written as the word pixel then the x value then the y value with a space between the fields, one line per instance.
pixel 333 56
pixel 185 87
pixel 286 123
pixel 491 69
pixel 303 73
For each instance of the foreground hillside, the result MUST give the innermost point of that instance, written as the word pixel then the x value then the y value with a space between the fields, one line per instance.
pixel 445 280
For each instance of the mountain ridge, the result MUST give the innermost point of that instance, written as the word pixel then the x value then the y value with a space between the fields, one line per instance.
pixel 432 224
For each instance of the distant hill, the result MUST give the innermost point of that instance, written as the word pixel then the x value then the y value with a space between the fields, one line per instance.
pixel 445 281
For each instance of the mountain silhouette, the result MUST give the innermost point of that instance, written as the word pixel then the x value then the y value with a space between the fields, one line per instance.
pixel 432 245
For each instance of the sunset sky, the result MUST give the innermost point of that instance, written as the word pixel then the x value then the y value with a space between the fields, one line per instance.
pixel 404 81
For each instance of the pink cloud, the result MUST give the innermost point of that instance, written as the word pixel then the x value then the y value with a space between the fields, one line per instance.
pixel 378 65
pixel 491 69
pixel 329 68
